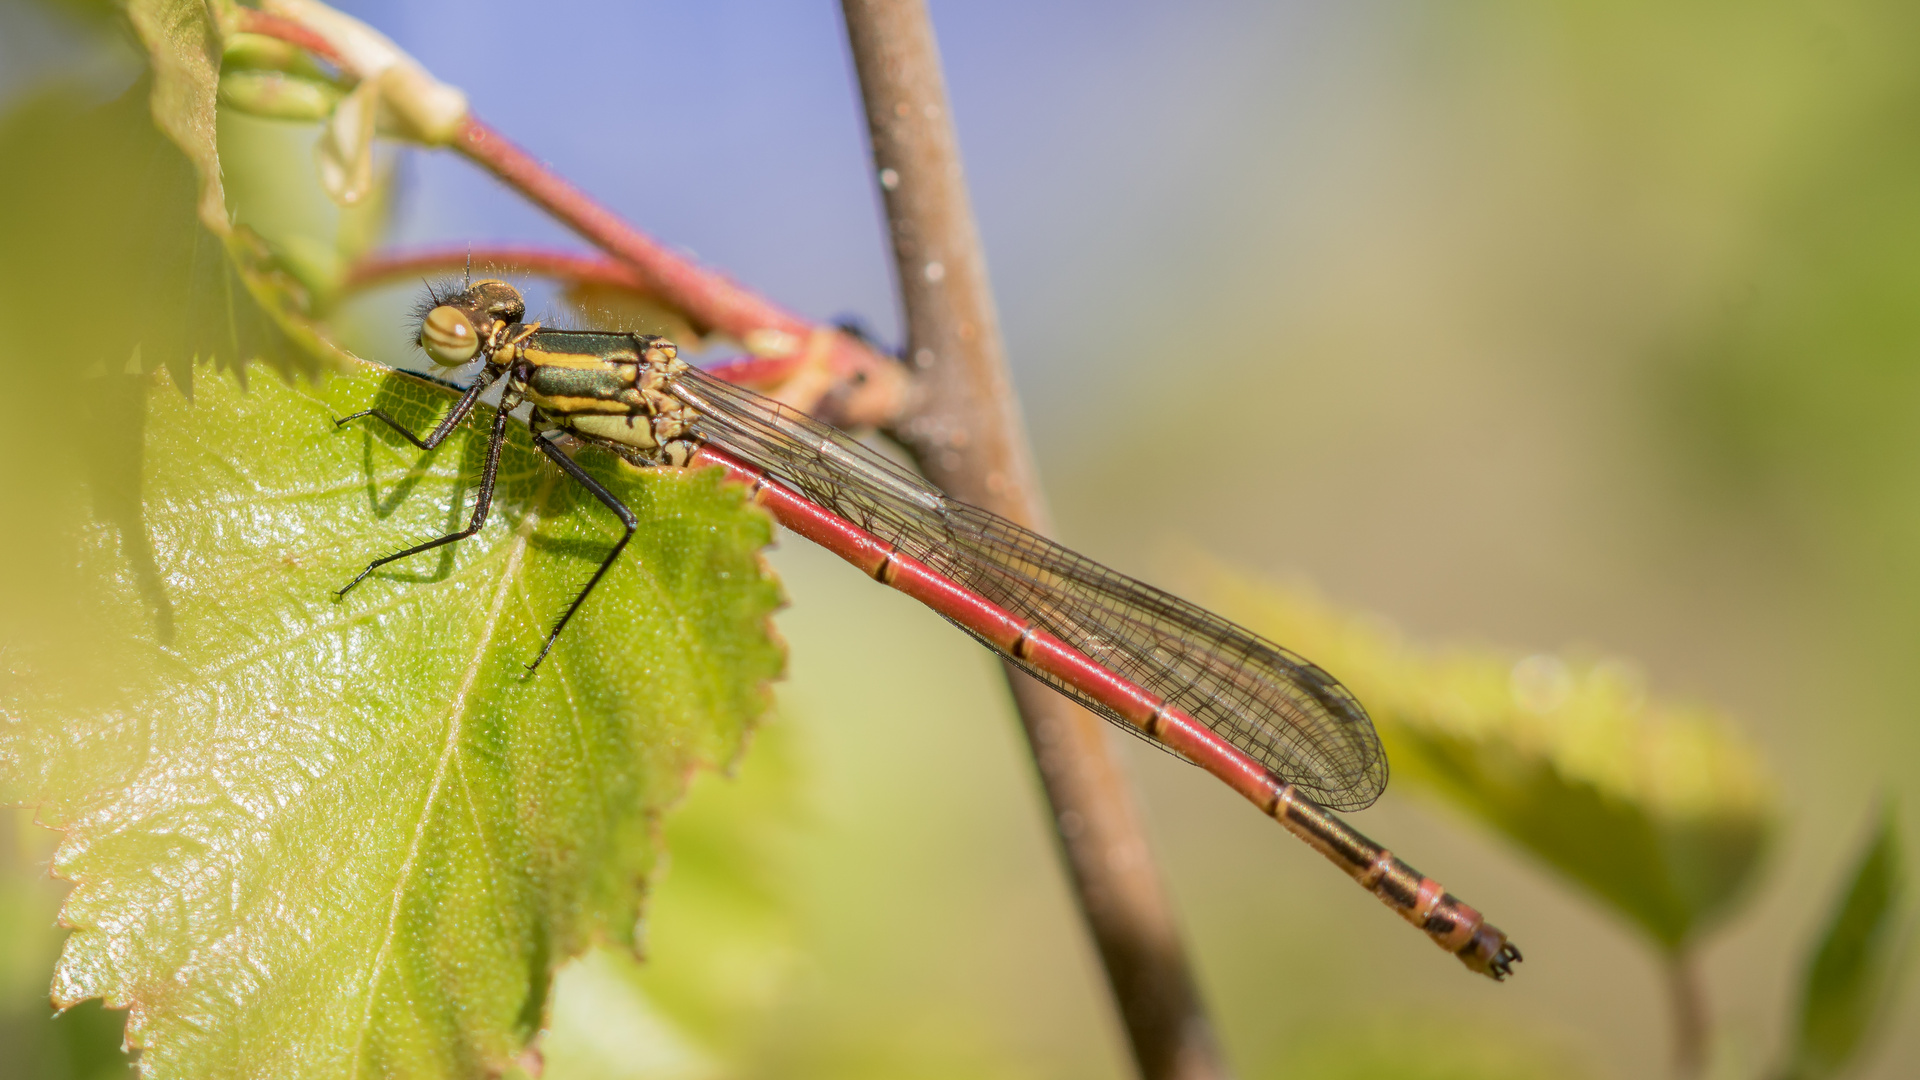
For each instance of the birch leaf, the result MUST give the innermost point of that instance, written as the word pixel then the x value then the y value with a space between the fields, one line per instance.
pixel 1853 971
pixel 320 836
pixel 1659 810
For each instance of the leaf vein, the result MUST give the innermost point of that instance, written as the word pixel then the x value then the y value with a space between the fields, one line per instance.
pixel 460 699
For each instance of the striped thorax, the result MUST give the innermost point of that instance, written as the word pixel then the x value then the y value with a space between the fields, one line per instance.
pixel 608 389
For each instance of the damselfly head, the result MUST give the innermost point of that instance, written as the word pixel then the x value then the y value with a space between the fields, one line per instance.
pixel 456 327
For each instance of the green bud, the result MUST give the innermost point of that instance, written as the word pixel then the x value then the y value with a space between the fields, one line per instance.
pixel 277 95
pixel 257 52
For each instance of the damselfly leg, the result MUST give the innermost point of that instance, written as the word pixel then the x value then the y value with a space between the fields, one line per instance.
pixel 627 521
pixel 496 438
pixel 489 473
pixel 441 430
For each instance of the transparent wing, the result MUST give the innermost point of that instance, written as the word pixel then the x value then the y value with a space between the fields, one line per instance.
pixel 1276 707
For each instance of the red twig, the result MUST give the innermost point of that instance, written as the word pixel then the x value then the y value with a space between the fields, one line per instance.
pixel 273 26
pixel 709 299
pixel 388 267
pixel 756 371
pixel 833 374
pixel 863 387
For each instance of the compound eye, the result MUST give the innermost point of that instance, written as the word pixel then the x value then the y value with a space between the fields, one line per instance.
pixel 449 336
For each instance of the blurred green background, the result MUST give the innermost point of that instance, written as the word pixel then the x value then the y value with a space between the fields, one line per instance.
pixel 1532 326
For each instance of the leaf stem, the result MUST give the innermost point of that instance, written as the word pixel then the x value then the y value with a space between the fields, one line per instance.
pixel 1687 999
pixel 965 430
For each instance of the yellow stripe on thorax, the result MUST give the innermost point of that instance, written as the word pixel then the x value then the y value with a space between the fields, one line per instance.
pixel 572 361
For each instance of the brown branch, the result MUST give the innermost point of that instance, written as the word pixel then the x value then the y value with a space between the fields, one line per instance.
pixel 965 431
pixel 1687 999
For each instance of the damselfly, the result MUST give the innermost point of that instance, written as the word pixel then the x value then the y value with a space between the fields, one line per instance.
pixel 1280 731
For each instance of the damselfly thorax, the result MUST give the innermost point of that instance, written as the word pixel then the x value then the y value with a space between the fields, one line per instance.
pixel 608 389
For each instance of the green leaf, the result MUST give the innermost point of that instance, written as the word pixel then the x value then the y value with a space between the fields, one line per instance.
pixel 79 1044
pixel 260 303
pixel 1661 811
pixel 723 951
pixel 320 836
pixel 183 48
pixel 1851 974
pixel 125 284
pixel 105 252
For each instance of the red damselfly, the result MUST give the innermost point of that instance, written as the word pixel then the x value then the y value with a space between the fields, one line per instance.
pixel 1280 731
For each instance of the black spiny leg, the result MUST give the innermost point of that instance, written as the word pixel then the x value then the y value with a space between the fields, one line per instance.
pixel 573 469
pixel 441 430
pixel 494 440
